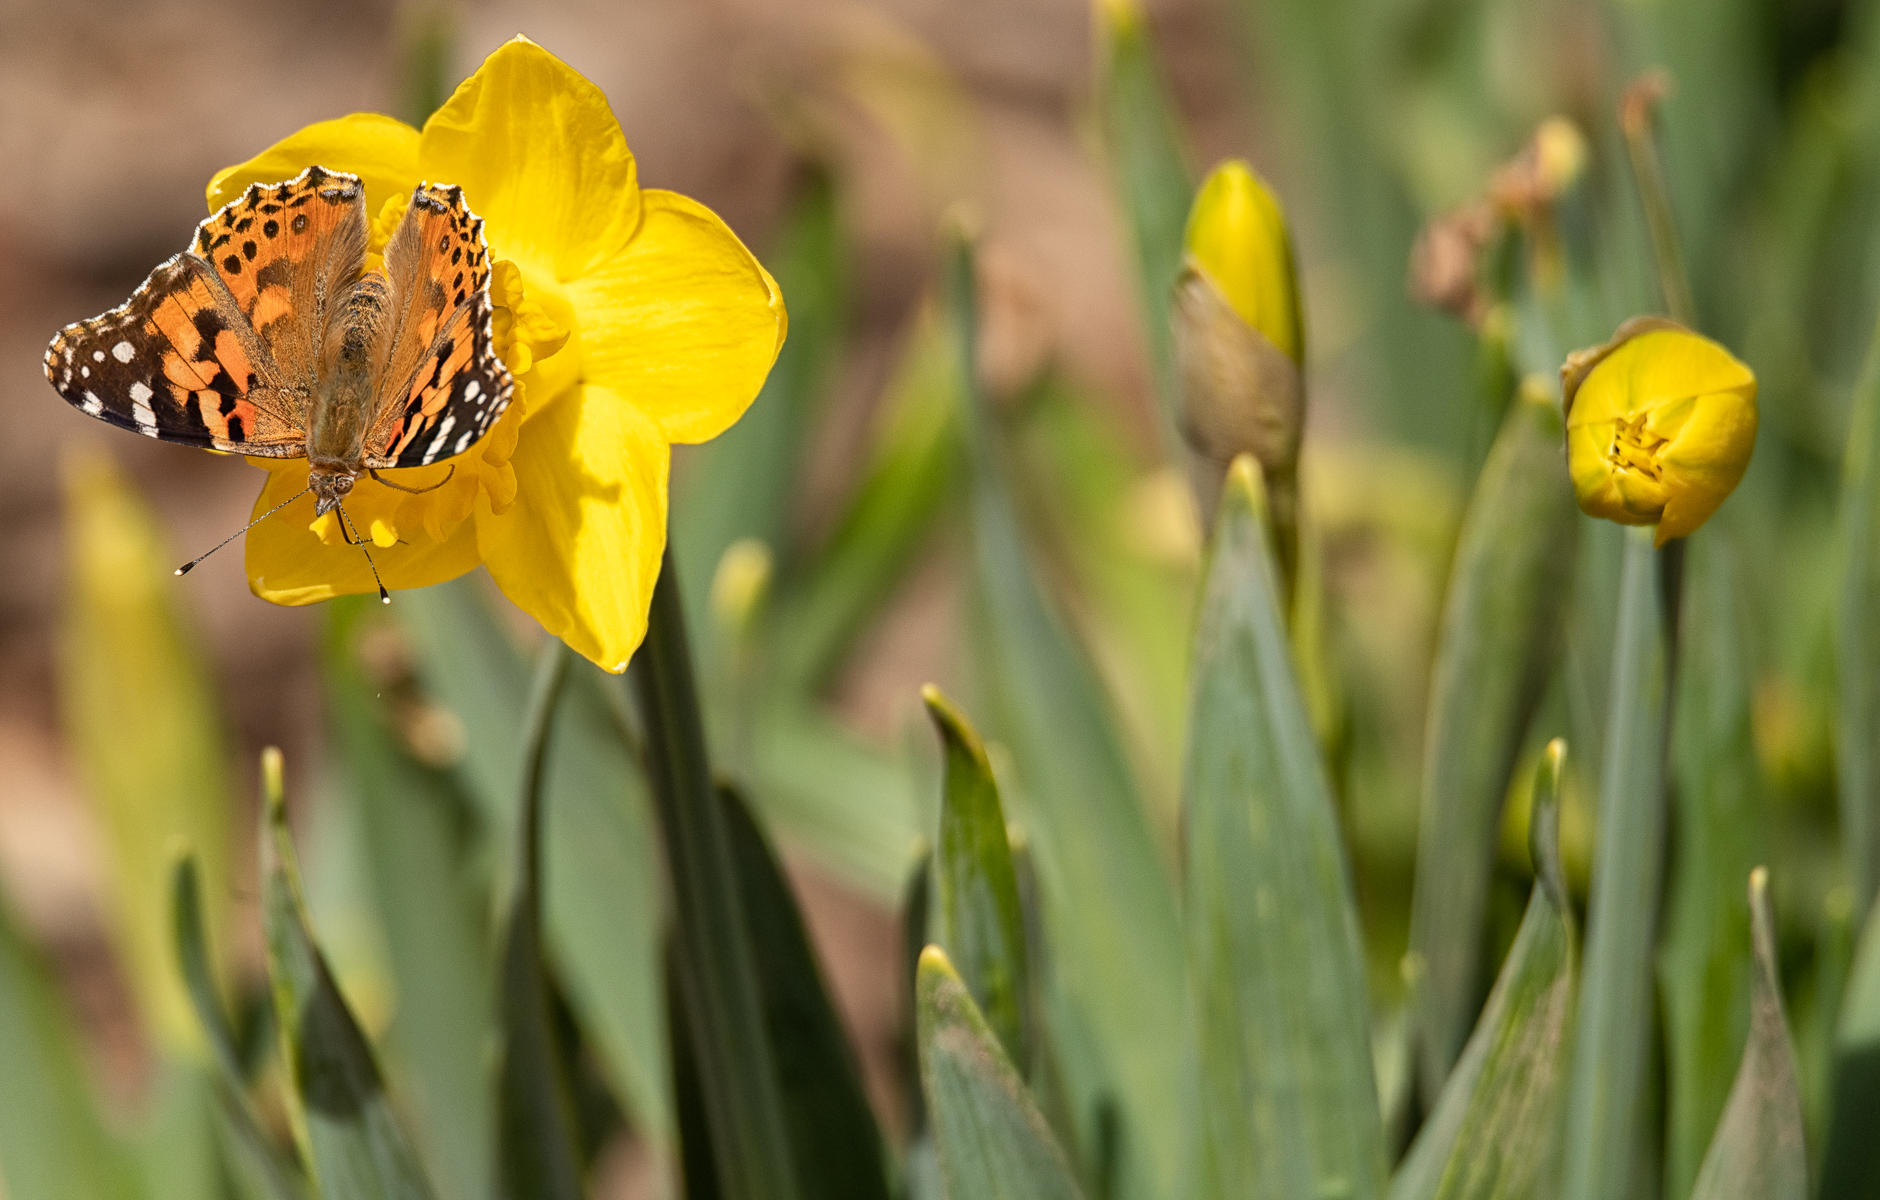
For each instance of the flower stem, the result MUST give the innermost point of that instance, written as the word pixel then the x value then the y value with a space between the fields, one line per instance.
pixel 1637 117
pixel 1638 111
pixel 712 954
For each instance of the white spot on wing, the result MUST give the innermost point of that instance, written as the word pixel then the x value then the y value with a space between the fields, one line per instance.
pixel 92 404
pixel 431 452
pixel 85 371
pixel 123 352
pixel 472 390
pixel 97 356
pixel 141 411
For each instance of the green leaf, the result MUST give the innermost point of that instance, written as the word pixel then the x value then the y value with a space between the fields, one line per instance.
pixel 426 894
pixel 1704 961
pixel 1850 1160
pixel 602 899
pixel 1612 1043
pixel 252 1152
pixel 834 1139
pixel 53 1141
pixel 1857 713
pixel 1273 940
pixel 740 1082
pixel 536 1130
pixel 1149 169
pixel 1109 905
pixel 348 1134
pixel 981 926
pixel 1500 634
pixel 1494 1130
pixel 742 484
pixel 992 1142
pixel 910 476
pixel 140 714
pixel 1759 1152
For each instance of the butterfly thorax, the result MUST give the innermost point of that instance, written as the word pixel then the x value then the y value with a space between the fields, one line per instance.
pixel 340 416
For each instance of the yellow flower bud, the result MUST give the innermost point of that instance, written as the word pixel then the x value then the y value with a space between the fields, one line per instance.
pixel 1237 238
pixel 1660 426
pixel 1237 330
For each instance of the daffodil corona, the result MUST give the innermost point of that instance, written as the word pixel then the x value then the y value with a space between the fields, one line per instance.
pixel 1660 426
pixel 630 318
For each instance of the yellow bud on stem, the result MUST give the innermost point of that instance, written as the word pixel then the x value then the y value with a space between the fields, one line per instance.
pixel 1661 423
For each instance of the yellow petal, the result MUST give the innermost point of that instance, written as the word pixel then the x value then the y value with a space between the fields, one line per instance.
pixel 287 564
pixel 579 550
pixel 1653 368
pixel 382 151
pixel 540 158
pixel 1706 461
pixel 684 323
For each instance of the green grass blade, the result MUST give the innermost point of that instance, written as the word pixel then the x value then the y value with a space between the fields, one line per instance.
pixel 349 1136
pixel 910 476
pixel 742 483
pixel 1494 1131
pixel 1850 1160
pixel 836 1144
pixel 718 975
pixel 603 907
pixel 981 926
pixel 1759 1152
pixel 835 1141
pixel 1704 962
pixel 1857 713
pixel 427 898
pixel 141 716
pixel 53 1140
pixel 254 1155
pixel 1149 170
pixel 1500 634
pixel 1606 1106
pixel 1273 940
pixel 536 1141
pixel 1110 911
pixel 991 1140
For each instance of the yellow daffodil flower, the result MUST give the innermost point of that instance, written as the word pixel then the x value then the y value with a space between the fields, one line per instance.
pixel 1660 426
pixel 631 319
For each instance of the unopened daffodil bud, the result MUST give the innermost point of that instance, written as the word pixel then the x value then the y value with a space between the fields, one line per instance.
pixel 1238 333
pixel 1660 425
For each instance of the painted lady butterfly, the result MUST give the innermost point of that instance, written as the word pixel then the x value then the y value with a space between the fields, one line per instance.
pixel 268 337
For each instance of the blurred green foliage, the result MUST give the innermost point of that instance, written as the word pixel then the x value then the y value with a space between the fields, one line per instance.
pixel 1227 895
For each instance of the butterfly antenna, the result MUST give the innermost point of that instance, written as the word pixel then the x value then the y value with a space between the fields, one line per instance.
pixel 385 597
pixel 190 565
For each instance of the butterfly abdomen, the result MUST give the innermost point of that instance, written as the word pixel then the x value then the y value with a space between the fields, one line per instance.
pixel 337 426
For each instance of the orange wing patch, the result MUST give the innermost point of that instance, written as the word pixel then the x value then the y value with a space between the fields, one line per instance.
pixel 443 384
pixel 287 253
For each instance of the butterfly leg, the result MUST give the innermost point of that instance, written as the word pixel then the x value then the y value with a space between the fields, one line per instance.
pixel 416 491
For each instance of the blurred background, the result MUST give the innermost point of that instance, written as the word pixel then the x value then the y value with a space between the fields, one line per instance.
pixel 835 138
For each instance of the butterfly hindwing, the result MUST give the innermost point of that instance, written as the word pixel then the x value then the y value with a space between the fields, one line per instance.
pixel 179 362
pixel 442 384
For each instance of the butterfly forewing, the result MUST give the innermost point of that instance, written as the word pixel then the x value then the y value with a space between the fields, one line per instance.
pixel 177 361
pixel 441 384
pixel 216 349
pixel 289 254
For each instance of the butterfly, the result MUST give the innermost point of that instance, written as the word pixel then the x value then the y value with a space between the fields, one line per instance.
pixel 269 337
